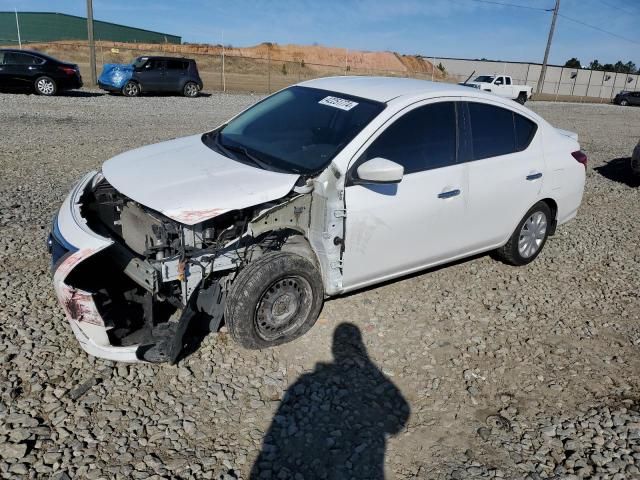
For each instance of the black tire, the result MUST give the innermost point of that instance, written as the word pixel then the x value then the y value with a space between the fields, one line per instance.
pixel 522 98
pixel 131 89
pixel 510 253
pixel 190 90
pixel 624 103
pixel 45 86
pixel 274 281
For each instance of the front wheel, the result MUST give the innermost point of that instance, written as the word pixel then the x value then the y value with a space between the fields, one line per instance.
pixel 274 300
pixel 190 89
pixel 522 98
pixel 624 103
pixel 45 86
pixel 529 237
pixel 131 89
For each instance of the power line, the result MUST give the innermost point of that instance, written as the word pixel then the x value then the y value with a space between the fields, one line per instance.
pixel 579 22
pixel 610 5
pixel 506 4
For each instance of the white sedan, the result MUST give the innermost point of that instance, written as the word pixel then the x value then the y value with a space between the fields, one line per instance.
pixel 325 187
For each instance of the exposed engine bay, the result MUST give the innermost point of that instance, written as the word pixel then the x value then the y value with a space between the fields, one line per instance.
pixel 160 276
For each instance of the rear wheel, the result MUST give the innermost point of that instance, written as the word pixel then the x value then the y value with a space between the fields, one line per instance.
pixel 45 86
pixel 131 89
pixel 529 237
pixel 274 300
pixel 522 98
pixel 624 102
pixel 190 89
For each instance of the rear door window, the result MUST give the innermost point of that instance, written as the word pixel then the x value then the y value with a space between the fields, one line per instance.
pixel 422 139
pixel 507 81
pixel 498 131
pixel 177 65
pixel 17 58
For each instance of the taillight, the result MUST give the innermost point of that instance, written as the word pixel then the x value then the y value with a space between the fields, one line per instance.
pixel 68 70
pixel 580 157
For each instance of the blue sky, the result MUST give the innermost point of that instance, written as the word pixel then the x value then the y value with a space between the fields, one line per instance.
pixel 447 28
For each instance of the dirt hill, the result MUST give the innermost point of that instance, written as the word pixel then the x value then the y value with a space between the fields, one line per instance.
pixel 355 61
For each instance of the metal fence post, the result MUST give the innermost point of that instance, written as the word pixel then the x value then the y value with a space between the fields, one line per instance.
pixel 575 79
pixel 559 82
pixel 614 84
pixel 586 92
pixel 269 67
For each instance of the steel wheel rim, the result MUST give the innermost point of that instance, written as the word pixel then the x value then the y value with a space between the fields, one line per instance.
pixel 532 234
pixel 283 307
pixel 131 89
pixel 191 90
pixel 45 86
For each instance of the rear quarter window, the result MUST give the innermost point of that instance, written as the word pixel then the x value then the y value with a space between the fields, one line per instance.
pixel 525 131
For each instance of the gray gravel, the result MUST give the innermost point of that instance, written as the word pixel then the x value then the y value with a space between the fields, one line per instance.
pixel 474 370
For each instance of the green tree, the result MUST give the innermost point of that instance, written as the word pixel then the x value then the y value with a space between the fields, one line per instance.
pixel 595 65
pixel 573 63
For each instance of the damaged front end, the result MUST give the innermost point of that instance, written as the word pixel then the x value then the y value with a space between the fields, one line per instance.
pixel 131 280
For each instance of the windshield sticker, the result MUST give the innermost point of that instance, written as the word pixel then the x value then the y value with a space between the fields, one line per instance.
pixel 340 103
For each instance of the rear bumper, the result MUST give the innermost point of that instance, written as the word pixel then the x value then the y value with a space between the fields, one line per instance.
pixel 71 83
pixel 71 243
pixel 108 88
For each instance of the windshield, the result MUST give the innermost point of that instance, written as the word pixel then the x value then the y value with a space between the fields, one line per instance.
pixel 297 130
pixel 484 79
pixel 139 62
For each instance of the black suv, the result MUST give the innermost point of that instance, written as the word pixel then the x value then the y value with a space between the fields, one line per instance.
pixel 627 98
pixel 35 71
pixel 160 74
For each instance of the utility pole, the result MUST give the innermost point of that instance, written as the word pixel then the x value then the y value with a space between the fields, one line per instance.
pixel 92 45
pixel 18 28
pixel 543 71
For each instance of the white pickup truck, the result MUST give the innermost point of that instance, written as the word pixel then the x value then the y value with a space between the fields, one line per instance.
pixel 501 85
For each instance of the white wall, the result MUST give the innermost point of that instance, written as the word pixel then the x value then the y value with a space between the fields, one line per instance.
pixel 558 81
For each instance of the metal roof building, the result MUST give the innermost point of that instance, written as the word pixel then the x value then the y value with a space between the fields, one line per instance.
pixel 51 27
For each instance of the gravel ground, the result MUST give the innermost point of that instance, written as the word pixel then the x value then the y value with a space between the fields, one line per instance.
pixel 474 370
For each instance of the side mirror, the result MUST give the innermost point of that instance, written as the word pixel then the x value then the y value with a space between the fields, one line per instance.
pixel 380 170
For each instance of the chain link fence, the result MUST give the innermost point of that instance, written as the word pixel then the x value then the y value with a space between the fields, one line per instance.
pixel 221 71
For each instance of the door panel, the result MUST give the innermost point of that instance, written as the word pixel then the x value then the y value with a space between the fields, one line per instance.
pixel 152 76
pixel 176 72
pixel 391 229
pixel 503 182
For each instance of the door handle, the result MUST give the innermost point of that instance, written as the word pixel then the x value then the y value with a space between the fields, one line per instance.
pixel 449 194
pixel 534 176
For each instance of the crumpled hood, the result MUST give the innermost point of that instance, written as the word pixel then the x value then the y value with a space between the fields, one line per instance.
pixel 190 183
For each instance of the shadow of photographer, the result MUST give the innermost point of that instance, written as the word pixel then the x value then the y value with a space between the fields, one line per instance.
pixel 334 422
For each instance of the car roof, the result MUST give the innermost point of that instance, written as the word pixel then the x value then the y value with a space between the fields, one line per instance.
pixel 158 57
pixel 385 89
pixel 31 52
